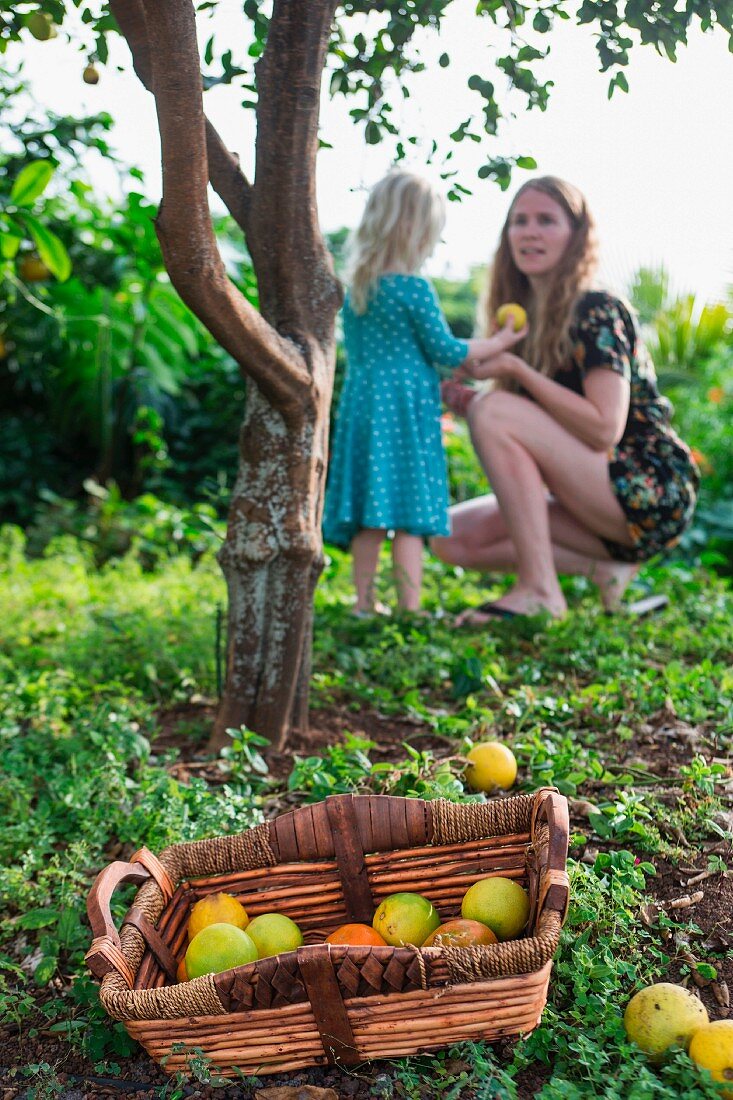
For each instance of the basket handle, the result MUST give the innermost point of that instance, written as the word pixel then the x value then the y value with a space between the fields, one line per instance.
pixel 105 954
pixel 554 885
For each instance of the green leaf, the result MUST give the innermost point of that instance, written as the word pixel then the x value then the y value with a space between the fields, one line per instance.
pixel 45 970
pixel 38 918
pixel 31 182
pixel 50 248
pixel 9 245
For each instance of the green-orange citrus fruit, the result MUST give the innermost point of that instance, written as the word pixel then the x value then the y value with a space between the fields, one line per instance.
pixel 405 918
pixel 500 903
pixel 274 933
pixel 218 947
pixel 216 909
pixel 360 934
pixel 461 933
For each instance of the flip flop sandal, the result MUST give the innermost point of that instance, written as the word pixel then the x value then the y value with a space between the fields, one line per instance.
pixel 649 605
pixel 492 611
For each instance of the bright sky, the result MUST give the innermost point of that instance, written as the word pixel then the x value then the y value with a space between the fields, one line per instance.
pixel 656 164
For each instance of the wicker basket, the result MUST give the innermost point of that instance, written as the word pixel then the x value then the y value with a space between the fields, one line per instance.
pixel 324 865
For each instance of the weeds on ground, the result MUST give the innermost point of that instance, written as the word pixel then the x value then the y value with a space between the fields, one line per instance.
pixel 89 658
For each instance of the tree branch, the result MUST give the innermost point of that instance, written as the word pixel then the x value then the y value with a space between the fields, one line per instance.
pixel 227 178
pixel 184 223
pixel 296 277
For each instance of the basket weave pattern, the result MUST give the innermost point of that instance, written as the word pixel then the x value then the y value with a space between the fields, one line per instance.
pixel 324 865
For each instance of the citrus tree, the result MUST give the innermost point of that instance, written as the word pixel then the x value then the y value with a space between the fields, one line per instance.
pixel 272 556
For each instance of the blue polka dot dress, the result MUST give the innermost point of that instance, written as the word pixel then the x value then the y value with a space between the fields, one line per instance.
pixel 388 465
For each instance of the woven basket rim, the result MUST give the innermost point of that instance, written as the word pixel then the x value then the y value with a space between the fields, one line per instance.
pixel 124 1002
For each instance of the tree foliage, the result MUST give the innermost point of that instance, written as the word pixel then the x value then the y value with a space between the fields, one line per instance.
pixel 375 47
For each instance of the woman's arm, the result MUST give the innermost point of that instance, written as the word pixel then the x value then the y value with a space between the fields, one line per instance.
pixel 598 418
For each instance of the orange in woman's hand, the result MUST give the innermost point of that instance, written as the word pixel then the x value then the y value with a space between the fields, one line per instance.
pixel 511 312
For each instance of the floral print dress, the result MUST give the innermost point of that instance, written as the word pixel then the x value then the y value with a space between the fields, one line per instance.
pixel 652 471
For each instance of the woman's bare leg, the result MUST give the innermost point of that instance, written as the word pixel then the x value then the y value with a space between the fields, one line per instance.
pixel 365 554
pixel 407 558
pixel 522 449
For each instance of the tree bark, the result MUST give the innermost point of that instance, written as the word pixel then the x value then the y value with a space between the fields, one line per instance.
pixel 273 554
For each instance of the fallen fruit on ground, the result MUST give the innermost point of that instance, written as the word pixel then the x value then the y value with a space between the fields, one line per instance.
pixel 405 918
pixel 662 1016
pixel 274 933
pixel 500 903
pixel 492 766
pixel 461 933
pixel 181 972
pixel 91 75
pixel 517 313
pixel 712 1048
pixel 358 934
pixel 216 909
pixel 218 947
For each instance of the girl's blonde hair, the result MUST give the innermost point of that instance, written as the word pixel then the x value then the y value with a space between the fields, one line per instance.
pixel 547 347
pixel 400 227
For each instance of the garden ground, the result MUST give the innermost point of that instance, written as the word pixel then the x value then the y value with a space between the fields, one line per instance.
pixel 107 688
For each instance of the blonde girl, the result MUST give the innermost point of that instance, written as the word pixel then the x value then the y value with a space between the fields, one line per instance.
pixel 388 471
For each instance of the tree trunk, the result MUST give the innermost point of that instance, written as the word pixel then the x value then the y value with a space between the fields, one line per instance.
pixel 273 554
pixel 272 558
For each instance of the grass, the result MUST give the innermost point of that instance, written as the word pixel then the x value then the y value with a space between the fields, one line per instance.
pixel 89 659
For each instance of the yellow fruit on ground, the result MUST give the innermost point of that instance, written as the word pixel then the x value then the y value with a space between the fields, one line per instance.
pixel 461 933
pixel 511 310
pixel 33 270
pixel 216 909
pixel 500 903
pixel 712 1048
pixel 90 74
pixel 218 947
pixel 492 766
pixel 273 933
pixel 405 918
pixel 661 1016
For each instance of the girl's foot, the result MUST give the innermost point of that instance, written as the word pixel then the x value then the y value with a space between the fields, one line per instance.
pixel 370 612
pixel 613 578
pixel 519 600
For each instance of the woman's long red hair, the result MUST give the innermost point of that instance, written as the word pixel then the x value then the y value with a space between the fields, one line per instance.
pixel 547 347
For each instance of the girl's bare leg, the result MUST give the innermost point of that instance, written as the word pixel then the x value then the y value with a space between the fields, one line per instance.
pixel 365 554
pixel 407 558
